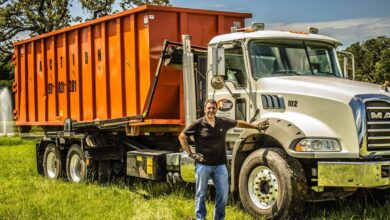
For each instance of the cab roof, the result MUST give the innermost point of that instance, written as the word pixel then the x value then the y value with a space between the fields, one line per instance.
pixel 269 34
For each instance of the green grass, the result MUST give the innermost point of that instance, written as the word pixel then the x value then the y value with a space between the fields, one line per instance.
pixel 26 195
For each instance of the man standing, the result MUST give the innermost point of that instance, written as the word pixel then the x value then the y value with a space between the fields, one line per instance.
pixel 209 133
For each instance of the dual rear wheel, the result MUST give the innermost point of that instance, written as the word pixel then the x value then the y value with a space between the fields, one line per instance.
pixel 52 162
pixel 76 167
pixel 57 163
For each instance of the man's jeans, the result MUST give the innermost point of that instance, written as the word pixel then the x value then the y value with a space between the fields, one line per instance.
pixel 219 175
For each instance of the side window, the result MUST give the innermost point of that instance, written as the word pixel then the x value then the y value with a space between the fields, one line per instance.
pixel 320 61
pixel 235 67
pixel 241 109
pixel 322 58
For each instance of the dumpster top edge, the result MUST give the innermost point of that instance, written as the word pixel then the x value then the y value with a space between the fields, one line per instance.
pixel 133 11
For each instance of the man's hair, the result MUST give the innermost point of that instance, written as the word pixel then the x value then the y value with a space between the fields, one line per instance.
pixel 211 101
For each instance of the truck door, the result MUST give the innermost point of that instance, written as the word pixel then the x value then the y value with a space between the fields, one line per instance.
pixel 233 100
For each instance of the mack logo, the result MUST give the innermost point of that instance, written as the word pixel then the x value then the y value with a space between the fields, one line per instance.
pixel 380 115
pixel 224 105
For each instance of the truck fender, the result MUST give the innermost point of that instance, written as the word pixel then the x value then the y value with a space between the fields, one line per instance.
pixel 280 130
pixel 280 134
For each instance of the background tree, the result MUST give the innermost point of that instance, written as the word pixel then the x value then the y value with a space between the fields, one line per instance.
pixel 357 51
pixel 127 4
pixel 5 69
pixel 371 60
pixel 98 8
pixel 25 17
pixel 382 68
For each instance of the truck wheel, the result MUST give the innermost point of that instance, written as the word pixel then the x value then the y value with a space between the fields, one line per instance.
pixel 272 184
pixel 52 163
pixel 76 168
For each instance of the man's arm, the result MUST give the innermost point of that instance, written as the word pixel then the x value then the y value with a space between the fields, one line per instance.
pixel 184 143
pixel 262 126
pixel 244 124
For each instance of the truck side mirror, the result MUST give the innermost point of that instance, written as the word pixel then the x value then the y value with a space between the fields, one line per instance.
pixel 345 69
pixel 345 56
pixel 218 66
pixel 217 82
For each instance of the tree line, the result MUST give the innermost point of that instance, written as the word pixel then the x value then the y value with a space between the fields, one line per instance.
pixel 372 60
pixel 372 57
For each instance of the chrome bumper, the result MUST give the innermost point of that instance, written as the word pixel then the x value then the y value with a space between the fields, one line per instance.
pixel 354 174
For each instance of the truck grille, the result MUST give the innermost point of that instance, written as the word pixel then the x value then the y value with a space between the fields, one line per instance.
pixel 378 125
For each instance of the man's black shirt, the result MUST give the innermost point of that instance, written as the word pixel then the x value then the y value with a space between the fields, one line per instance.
pixel 210 141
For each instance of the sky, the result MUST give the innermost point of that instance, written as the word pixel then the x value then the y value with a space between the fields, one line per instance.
pixel 349 21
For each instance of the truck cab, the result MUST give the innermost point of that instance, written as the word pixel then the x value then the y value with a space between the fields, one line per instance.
pixel 336 130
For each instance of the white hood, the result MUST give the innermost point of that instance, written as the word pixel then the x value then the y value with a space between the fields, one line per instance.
pixel 326 87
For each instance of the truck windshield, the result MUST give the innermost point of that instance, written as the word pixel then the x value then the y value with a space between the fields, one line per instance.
pixel 276 58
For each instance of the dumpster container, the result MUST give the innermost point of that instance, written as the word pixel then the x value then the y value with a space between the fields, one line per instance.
pixel 103 69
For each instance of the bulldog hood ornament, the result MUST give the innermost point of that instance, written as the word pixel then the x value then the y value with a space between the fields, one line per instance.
pixel 385 86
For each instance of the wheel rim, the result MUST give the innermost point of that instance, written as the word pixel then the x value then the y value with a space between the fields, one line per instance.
pixel 77 168
pixel 52 165
pixel 263 187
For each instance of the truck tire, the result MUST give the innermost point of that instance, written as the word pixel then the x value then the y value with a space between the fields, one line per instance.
pixel 76 167
pixel 52 162
pixel 104 171
pixel 272 184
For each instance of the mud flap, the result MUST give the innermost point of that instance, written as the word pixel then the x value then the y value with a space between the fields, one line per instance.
pixel 39 158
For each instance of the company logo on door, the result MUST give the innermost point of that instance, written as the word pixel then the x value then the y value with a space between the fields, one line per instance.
pixel 224 105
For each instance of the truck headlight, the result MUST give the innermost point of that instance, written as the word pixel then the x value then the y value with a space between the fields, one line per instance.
pixel 315 144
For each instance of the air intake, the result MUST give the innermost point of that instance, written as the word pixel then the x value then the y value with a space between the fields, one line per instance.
pixel 273 102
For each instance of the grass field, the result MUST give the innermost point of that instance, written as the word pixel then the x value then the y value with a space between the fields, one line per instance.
pixel 26 195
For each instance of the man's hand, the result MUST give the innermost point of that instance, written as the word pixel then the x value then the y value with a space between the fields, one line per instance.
pixel 197 157
pixel 262 126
